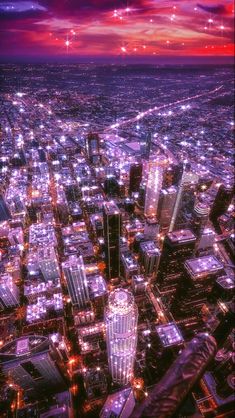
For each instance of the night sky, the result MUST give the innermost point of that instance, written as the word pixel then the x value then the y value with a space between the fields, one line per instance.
pixel 115 28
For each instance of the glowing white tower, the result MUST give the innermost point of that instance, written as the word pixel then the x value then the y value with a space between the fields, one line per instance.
pixel 121 334
pixel 154 184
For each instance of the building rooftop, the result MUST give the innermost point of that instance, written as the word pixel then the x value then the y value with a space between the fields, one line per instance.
pixel 226 282
pixel 23 346
pixel 111 208
pixel 120 301
pixel 150 247
pixel 42 234
pixel 97 285
pixel 202 266
pixel 183 235
pixel 44 308
pixel 116 402
pixel 169 334
pixel 129 261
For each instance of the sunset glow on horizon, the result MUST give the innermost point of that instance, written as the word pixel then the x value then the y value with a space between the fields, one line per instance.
pixel 116 28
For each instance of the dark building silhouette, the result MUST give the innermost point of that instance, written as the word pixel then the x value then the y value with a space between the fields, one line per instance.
pixel 225 325
pixel 111 186
pixel 4 211
pixel 93 147
pixel 196 285
pixel 177 247
pixel 112 232
pixel 135 177
pixel 222 201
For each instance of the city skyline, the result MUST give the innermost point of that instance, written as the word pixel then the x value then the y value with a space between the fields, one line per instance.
pixel 117 31
pixel 117 209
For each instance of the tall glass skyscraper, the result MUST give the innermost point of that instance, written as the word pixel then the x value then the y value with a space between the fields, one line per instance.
pixel 74 272
pixel 185 201
pixel 112 232
pixel 154 184
pixel 121 334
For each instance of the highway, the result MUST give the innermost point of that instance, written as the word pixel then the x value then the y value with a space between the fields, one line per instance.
pixel 154 109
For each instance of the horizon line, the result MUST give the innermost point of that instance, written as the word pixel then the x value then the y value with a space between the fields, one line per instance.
pixel 112 59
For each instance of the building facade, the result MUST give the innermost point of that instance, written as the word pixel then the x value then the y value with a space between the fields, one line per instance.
pixel 75 275
pixel 121 334
pixel 112 233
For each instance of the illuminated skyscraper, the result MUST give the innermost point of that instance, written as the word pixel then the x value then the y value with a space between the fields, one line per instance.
pixel 112 232
pixel 196 285
pixel 177 247
pixel 121 334
pixel 185 201
pixel 166 207
pixel 74 272
pixel 149 256
pixel 200 217
pixel 154 184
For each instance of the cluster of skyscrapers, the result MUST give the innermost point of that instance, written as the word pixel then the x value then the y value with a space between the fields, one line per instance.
pixel 122 261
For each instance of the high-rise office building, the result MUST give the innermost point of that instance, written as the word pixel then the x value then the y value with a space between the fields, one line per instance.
pixel 185 201
pixel 93 147
pixel 145 146
pixel 4 211
pixel 129 265
pixel 139 284
pixel 119 404
pixel 167 342
pixel 222 201
pixel 166 207
pixel 177 247
pixel 111 185
pixel 196 285
pixel 75 274
pixel 112 232
pixel 225 325
pixel 200 217
pixel 121 334
pixel 31 363
pixel 206 241
pixel 154 184
pixel 172 175
pixel 151 228
pixel 142 195
pixel 150 257
pixel 223 288
pixel 9 292
pixel 92 143
pixel 48 263
pixel 135 177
